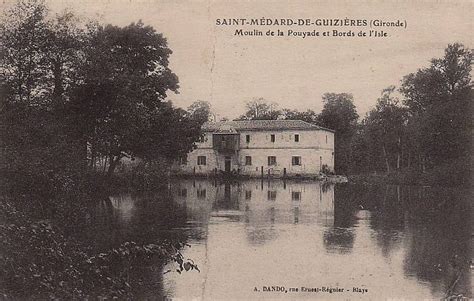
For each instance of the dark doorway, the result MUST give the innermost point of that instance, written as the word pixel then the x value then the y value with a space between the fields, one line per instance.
pixel 227 164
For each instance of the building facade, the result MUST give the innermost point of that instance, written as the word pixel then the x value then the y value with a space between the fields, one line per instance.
pixel 261 147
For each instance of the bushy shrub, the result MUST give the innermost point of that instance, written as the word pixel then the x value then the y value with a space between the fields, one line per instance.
pixel 141 176
pixel 326 170
pixel 39 260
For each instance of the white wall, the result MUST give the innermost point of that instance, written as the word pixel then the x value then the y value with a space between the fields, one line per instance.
pixel 313 145
pixel 312 138
pixel 310 161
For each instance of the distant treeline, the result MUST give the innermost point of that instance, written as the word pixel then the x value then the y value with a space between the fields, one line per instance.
pixel 424 135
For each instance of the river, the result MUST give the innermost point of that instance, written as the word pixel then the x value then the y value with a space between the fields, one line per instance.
pixel 290 240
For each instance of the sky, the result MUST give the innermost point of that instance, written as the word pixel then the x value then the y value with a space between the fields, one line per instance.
pixel 215 65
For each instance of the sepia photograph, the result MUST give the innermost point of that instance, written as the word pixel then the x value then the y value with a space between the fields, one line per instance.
pixel 236 150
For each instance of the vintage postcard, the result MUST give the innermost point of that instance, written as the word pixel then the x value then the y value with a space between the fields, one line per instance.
pixel 236 150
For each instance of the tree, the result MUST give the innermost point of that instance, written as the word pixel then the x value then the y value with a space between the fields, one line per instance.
pixel 171 135
pixel 66 41
pixel 200 111
pixel 24 36
pixel 385 125
pixel 124 80
pixel 83 92
pixel 339 113
pixel 363 157
pixel 439 101
pixel 36 146
pixel 308 115
pixel 260 109
pixel 41 54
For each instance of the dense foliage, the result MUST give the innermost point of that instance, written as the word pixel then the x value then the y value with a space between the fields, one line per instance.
pixel 76 98
pixel 428 133
pixel 339 114
pixel 38 259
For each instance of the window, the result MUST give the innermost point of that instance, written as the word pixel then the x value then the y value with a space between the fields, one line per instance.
pixel 295 160
pixel 202 138
pixel 272 160
pixel 326 139
pixel 296 195
pixel 201 193
pixel 248 160
pixel 297 138
pixel 271 195
pixel 248 194
pixel 201 160
pixel 272 137
pixel 247 138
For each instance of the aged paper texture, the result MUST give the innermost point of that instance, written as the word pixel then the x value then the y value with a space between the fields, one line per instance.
pixel 300 97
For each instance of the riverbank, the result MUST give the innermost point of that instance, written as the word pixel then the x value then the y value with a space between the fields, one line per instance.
pixel 47 259
pixel 451 176
pixel 231 177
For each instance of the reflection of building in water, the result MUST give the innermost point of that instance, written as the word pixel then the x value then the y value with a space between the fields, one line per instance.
pixel 399 237
pixel 197 196
pixel 286 202
pixel 257 203
pixel 261 147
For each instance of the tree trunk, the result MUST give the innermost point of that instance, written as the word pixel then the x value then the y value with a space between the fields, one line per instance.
pixel 93 157
pixel 83 153
pixel 399 153
pixel 105 165
pixel 387 165
pixel 398 194
pixel 113 163
pixel 58 80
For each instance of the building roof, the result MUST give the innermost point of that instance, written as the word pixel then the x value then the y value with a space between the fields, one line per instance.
pixel 259 125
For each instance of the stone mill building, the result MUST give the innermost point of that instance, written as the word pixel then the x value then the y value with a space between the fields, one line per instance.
pixel 254 148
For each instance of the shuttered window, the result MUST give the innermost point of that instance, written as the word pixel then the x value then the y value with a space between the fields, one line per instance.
pixel 201 160
pixel 272 160
pixel 248 160
pixel 295 160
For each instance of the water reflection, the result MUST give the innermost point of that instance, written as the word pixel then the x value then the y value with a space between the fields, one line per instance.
pixel 398 242
pixel 439 247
